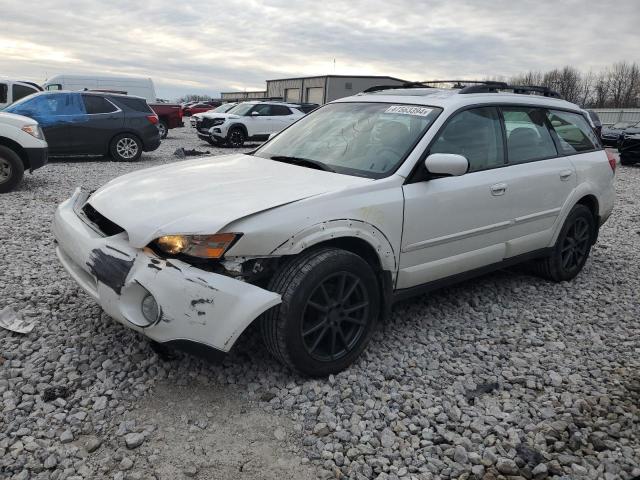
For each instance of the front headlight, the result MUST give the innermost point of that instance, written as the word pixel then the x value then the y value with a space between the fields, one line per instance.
pixel 34 130
pixel 218 121
pixel 202 246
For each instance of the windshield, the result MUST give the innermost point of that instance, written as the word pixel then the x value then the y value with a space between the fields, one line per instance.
pixel 223 108
pixel 364 139
pixel 241 109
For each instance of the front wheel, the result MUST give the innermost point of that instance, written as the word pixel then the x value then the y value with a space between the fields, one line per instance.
pixel 330 305
pixel 235 138
pixel 125 148
pixel 11 169
pixel 572 247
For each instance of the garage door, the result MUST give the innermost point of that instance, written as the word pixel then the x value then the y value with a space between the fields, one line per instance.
pixel 315 95
pixel 292 95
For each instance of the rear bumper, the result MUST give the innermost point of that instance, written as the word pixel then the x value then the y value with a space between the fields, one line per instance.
pixel 195 305
pixel 37 157
pixel 151 144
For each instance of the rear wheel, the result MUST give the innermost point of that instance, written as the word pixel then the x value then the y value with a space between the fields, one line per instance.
pixel 11 169
pixel 125 148
pixel 626 160
pixel 163 129
pixel 330 304
pixel 235 138
pixel 572 247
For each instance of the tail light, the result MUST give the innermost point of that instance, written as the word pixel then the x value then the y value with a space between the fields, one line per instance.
pixel 612 160
pixel 153 119
pixel 180 112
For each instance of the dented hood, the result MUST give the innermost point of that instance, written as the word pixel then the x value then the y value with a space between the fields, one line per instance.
pixel 202 196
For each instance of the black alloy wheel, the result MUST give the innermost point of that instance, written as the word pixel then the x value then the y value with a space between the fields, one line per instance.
pixel 336 316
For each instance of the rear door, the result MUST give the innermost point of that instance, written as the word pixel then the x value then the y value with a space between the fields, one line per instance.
pixel 103 119
pixel 541 179
pixel 283 116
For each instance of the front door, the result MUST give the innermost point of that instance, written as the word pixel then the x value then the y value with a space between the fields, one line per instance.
pixel 260 120
pixel 457 224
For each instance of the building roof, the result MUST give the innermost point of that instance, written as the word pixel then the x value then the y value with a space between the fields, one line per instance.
pixel 380 77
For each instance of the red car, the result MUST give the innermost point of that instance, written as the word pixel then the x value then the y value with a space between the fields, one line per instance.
pixel 200 107
pixel 169 116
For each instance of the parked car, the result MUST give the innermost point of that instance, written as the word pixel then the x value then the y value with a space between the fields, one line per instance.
pixel 200 107
pixel 224 108
pixel 13 90
pixel 169 117
pixel 247 121
pixel 90 123
pixel 134 86
pixel 612 134
pixel 315 234
pixel 22 147
pixel 595 122
pixel 629 145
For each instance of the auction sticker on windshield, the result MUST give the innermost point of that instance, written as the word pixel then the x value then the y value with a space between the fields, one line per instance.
pixel 408 110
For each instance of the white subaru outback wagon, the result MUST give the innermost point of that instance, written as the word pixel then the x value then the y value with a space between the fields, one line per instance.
pixel 318 231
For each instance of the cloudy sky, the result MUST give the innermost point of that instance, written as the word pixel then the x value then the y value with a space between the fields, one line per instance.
pixel 211 46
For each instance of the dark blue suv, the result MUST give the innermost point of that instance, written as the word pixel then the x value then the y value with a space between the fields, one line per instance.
pixel 92 123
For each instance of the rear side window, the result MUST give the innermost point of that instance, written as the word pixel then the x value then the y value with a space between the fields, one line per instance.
pixel 95 105
pixel 3 93
pixel 477 135
pixel 280 110
pixel 136 104
pixel 575 135
pixel 21 91
pixel 528 137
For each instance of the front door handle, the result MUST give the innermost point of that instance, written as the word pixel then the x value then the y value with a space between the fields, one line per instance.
pixel 565 174
pixel 498 189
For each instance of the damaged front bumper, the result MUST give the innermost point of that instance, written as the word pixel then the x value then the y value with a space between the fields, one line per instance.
pixel 194 305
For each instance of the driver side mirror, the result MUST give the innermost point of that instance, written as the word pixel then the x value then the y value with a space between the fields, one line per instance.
pixel 255 114
pixel 446 164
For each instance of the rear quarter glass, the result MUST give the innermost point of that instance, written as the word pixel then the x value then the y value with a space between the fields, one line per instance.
pixel 135 104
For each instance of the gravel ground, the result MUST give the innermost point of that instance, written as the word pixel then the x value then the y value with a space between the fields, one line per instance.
pixel 506 376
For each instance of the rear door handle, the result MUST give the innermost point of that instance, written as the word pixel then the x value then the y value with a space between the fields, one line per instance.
pixel 565 174
pixel 498 189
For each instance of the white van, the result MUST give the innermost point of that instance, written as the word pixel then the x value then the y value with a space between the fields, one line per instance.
pixel 137 86
pixel 13 90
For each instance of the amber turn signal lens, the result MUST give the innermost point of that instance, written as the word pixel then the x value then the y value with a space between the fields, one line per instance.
pixel 210 246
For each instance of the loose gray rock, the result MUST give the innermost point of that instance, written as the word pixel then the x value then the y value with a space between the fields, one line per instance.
pixel 133 440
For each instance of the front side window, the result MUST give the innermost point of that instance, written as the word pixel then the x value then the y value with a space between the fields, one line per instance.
pixel 528 137
pixel 574 133
pixel 475 134
pixel 21 91
pixel 49 105
pixel 364 139
pixel 94 104
pixel 54 87
pixel 3 92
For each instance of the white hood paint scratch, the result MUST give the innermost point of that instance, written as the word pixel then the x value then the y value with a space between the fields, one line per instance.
pixel 203 196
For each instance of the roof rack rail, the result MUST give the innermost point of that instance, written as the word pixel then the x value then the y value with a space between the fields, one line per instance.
pixel 520 89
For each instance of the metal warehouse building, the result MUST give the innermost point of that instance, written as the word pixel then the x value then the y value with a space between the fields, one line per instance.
pixel 325 88
pixel 243 96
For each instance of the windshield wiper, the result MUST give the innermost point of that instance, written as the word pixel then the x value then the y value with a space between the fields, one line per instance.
pixel 303 162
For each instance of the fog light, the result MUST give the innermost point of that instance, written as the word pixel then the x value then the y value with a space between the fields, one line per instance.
pixel 150 309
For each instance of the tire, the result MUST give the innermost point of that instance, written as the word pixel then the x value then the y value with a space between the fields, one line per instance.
pixel 572 247
pixel 626 160
pixel 163 129
pixel 235 138
pixel 125 147
pixel 313 330
pixel 11 169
